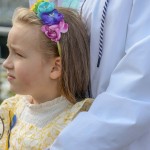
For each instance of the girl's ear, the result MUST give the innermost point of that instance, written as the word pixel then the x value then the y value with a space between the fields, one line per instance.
pixel 56 68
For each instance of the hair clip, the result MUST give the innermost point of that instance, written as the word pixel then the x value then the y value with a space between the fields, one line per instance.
pixel 52 20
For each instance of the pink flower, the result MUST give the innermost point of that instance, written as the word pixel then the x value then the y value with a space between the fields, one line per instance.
pixel 53 32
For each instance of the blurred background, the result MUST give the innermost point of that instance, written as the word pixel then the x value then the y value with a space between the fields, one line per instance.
pixel 7 8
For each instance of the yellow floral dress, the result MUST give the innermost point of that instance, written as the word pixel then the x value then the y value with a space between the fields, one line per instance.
pixel 17 133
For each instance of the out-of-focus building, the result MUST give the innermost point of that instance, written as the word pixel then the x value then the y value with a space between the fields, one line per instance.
pixel 7 8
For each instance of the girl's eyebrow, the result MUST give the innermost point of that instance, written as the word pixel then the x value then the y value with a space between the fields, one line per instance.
pixel 9 46
pixel 13 47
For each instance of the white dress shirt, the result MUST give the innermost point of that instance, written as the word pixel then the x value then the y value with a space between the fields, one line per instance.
pixel 119 119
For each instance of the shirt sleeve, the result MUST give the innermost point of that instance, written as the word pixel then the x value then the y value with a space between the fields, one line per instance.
pixel 121 114
pixel 6 114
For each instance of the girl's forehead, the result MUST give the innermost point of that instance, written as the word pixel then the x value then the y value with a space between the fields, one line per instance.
pixel 23 34
pixel 25 30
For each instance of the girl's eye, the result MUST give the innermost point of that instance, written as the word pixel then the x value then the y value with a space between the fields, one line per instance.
pixel 19 55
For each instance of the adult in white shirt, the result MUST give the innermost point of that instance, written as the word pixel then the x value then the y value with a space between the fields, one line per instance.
pixel 119 118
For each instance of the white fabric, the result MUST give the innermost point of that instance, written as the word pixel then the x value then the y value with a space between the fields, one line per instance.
pixel 119 118
pixel 41 114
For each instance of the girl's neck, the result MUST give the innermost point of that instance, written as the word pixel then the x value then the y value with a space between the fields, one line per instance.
pixel 48 94
pixel 42 99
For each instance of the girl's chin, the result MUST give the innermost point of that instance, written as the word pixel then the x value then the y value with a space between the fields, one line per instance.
pixel 14 90
pixel 18 90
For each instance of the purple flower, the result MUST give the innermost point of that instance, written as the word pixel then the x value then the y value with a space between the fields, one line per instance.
pixel 54 31
pixel 51 18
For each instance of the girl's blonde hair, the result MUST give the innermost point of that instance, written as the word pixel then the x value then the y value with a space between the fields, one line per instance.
pixel 74 51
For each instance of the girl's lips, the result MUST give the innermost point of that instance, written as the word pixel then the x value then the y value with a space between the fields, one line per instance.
pixel 10 77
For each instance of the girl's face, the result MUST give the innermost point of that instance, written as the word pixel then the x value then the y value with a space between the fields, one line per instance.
pixel 28 71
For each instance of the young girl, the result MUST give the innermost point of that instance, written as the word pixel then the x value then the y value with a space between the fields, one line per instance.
pixel 48 66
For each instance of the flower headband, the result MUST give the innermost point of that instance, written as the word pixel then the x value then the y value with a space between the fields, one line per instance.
pixel 52 20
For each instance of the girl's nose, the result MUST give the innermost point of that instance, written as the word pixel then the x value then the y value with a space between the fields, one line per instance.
pixel 7 64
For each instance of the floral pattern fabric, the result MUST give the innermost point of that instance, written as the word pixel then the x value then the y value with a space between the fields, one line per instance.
pixel 25 136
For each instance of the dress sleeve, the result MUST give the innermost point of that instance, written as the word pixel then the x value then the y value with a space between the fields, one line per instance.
pixel 6 113
pixel 120 115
